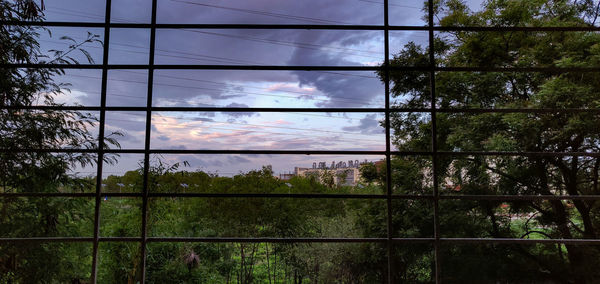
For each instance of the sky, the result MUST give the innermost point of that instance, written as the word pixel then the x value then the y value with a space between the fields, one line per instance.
pixel 231 88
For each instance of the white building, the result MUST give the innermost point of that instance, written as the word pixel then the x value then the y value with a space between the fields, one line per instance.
pixel 344 173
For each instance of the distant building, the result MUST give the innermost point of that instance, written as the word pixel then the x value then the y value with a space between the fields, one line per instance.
pixel 344 173
pixel 286 176
pixel 342 176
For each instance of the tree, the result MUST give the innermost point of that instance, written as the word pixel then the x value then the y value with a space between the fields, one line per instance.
pixel 39 129
pixel 368 172
pixel 31 171
pixel 556 131
pixel 327 177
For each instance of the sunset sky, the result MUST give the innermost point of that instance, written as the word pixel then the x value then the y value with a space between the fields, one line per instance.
pixel 218 130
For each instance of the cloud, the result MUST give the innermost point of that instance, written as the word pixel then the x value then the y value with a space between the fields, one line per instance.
pixel 199 162
pixel 281 122
pixel 179 147
pixel 343 89
pixel 236 115
pixel 273 12
pixel 291 88
pixel 367 125
pixel 205 119
pixel 163 138
pixel 241 88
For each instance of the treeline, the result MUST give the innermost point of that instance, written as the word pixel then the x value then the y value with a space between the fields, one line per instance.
pixel 196 262
pixel 285 218
pixel 242 217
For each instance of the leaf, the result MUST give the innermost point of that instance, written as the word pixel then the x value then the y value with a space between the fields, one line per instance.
pixel 68 38
pixel 72 60
pixel 89 57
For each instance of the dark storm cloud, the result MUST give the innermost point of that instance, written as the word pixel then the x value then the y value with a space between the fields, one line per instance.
pixel 342 91
pixel 231 46
pixel 278 47
pixel 271 12
pixel 190 87
pixel 368 125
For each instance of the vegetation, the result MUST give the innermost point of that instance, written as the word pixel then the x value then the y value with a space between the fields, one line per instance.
pixel 28 171
pixel 283 262
pixel 555 131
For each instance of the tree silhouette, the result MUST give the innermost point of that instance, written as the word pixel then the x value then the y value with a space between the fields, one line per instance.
pixel 559 130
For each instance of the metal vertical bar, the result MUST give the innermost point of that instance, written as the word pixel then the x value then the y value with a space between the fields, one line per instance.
pixel 434 157
pixel 147 139
pixel 100 161
pixel 388 156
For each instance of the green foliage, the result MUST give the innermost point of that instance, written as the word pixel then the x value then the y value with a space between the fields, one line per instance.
pixel 38 129
pixel 241 217
pixel 368 172
pixel 28 171
pixel 514 132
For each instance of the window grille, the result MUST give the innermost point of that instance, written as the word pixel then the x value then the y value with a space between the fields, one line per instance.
pixel 434 153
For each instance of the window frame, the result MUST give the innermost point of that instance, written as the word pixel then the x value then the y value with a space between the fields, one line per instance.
pixel 436 241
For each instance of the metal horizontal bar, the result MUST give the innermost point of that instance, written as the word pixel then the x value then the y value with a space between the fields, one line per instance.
pixel 47 239
pixel 548 69
pixel 119 239
pixel 325 110
pixel 312 152
pixel 206 26
pixel 57 24
pixel 412 240
pixel 179 151
pixel 512 153
pixel 268 195
pixel 69 150
pixel 281 27
pixel 306 68
pixel 46 194
pixel 267 67
pixel 412 196
pixel 296 26
pixel 274 152
pixel 514 29
pixel 306 240
pixel 520 197
pixel 514 110
pixel 198 239
pixel 199 109
pixel 520 241
pixel 303 196
pixel 496 153
pixel 67 194
pixel 121 194
pixel 203 67
pixel 265 240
